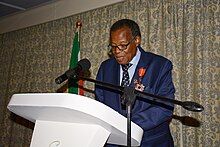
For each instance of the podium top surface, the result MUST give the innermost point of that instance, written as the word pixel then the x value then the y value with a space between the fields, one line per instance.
pixel 72 108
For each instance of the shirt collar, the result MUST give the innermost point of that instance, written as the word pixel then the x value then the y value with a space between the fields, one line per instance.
pixel 136 58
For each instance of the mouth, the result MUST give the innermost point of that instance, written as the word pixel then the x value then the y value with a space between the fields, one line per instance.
pixel 120 59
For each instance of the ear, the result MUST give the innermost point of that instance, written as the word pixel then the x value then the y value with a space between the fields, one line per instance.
pixel 138 40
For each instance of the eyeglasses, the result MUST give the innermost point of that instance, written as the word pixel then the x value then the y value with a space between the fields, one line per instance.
pixel 121 47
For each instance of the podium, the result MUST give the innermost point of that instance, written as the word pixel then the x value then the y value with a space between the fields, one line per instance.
pixel 69 120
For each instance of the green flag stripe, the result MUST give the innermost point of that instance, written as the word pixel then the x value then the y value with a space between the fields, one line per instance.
pixel 73 87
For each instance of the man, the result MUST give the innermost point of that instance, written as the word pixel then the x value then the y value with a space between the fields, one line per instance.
pixel 146 72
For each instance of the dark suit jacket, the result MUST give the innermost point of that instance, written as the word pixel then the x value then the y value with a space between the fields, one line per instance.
pixel 151 116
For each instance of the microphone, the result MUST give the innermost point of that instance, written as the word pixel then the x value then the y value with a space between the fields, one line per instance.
pixel 82 65
pixel 192 106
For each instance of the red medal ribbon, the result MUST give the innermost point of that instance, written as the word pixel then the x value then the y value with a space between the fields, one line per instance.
pixel 141 72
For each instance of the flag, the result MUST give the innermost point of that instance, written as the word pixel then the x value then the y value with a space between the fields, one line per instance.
pixel 73 86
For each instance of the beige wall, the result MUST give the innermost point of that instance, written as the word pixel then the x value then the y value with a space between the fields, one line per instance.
pixel 56 10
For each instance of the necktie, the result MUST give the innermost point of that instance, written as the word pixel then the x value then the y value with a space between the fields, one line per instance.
pixel 125 82
pixel 125 77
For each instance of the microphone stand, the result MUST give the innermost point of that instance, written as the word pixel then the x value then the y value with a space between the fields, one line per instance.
pixel 130 94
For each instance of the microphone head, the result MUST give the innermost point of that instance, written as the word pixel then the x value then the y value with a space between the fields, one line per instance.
pixel 84 64
pixel 192 106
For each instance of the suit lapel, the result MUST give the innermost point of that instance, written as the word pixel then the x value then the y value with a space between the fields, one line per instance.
pixel 116 78
pixel 143 63
pixel 116 81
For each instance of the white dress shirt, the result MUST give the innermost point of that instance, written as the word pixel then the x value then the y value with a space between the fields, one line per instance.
pixel 134 63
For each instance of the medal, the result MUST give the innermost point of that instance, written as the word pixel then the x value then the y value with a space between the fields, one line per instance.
pixel 138 85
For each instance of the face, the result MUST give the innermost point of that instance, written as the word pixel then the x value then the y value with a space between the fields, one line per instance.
pixel 122 37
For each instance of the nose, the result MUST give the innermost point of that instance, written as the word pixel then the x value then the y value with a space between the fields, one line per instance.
pixel 117 50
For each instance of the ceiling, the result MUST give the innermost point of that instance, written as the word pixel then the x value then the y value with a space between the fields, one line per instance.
pixel 18 14
pixel 10 7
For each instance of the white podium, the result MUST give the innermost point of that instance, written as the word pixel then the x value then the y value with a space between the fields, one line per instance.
pixel 69 120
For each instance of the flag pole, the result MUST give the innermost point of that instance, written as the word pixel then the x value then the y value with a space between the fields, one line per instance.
pixel 78 27
pixel 73 86
pixel 80 82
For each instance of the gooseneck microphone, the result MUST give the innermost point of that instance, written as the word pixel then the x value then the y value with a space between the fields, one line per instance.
pixel 82 65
